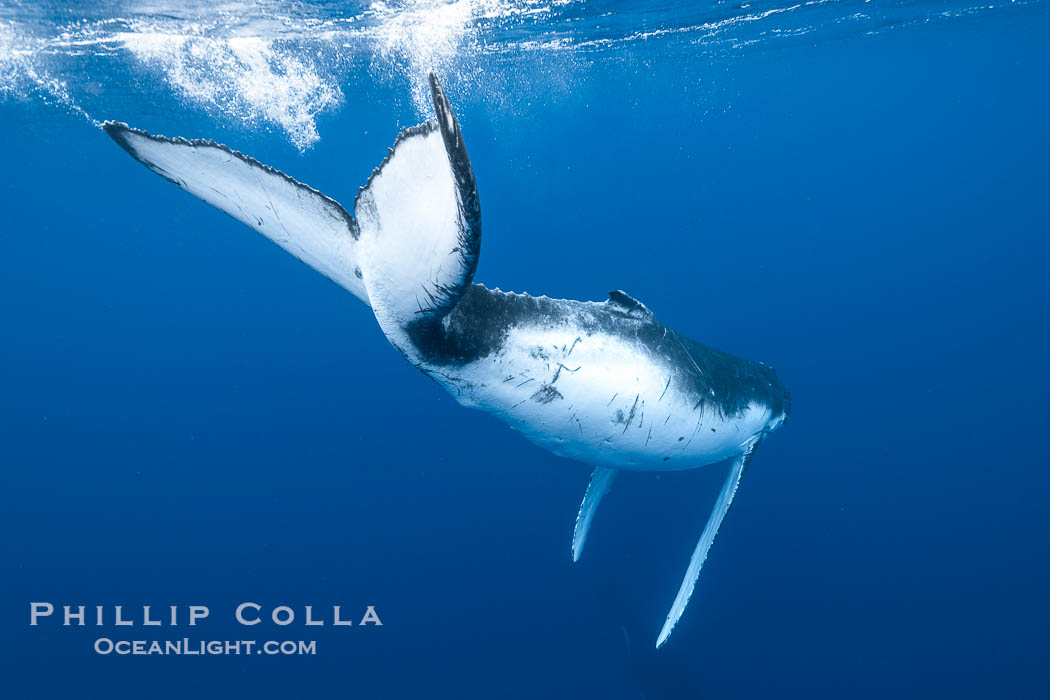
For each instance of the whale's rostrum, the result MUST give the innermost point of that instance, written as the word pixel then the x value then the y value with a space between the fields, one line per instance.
pixel 604 383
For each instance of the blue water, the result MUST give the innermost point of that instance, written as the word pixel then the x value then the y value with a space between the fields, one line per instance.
pixel 854 193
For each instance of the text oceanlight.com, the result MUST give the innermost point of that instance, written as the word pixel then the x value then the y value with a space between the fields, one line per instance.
pixel 189 647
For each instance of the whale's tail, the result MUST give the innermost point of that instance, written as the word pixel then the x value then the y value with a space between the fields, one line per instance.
pixel 412 245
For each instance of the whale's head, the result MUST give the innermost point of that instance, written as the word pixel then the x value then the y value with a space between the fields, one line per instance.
pixel 778 400
pixel 780 417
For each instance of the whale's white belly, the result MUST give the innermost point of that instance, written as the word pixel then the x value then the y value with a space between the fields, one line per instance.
pixel 600 399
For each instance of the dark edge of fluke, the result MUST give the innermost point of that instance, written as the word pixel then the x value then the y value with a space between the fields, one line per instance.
pixel 463 172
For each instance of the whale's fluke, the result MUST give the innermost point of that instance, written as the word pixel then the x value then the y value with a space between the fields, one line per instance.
pixel 420 224
pixel 718 513
pixel 601 482
pixel 306 223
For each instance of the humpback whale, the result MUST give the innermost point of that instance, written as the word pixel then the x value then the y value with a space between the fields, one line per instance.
pixel 604 383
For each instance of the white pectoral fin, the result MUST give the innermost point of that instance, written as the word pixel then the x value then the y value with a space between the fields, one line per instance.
pixel 306 223
pixel 714 521
pixel 420 224
pixel 601 482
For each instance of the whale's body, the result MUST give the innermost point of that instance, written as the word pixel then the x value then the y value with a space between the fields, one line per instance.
pixel 604 383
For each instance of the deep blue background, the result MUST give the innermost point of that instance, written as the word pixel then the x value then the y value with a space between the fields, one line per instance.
pixel 188 415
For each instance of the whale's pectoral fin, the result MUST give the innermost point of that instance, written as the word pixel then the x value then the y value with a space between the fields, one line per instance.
pixel 420 223
pixel 725 499
pixel 601 482
pixel 306 223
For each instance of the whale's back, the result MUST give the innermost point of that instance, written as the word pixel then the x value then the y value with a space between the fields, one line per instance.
pixel 485 319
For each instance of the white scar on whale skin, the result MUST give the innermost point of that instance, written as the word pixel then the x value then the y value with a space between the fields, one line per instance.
pixel 604 383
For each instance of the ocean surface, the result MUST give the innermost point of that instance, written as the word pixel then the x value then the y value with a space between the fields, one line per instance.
pixel 855 193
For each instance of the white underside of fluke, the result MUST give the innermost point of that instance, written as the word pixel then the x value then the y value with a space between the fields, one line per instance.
pixel 411 233
pixel 306 223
